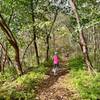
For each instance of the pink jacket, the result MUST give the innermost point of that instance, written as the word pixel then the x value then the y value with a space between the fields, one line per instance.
pixel 55 59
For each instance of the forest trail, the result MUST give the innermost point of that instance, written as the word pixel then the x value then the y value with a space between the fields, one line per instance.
pixel 57 87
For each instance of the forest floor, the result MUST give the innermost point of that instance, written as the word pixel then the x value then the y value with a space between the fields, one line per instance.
pixel 59 87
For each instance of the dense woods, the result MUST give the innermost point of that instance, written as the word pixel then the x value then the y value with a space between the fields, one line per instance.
pixel 31 31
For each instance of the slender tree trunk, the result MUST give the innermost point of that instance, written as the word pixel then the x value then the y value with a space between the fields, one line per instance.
pixel 95 42
pixel 0 66
pixel 82 42
pixel 3 62
pixel 36 50
pixel 47 48
pixel 48 35
pixel 34 32
pixel 13 43
pixel 4 58
pixel 8 58
pixel 54 41
pixel 0 63
pixel 26 51
pixel 0 59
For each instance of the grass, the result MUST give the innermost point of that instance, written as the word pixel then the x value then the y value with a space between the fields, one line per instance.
pixel 87 85
pixel 22 88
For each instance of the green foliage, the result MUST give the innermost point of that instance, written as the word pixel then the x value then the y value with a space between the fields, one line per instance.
pixel 48 63
pixel 87 85
pixel 23 87
pixel 95 61
pixel 8 75
pixel 76 63
pixel 22 95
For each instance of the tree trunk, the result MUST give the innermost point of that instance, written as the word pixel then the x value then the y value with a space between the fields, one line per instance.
pixel 13 43
pixel 84 49
pixel 48 35
pixel 54 41
pixel 95 43
pixel 34 32
pixel 0 59
pixel 26 51
pixel 82 42
pixel 36 50
pixel 47 47
pixel 0 66
pixel 3 62
pixel 8 58
pixel 17 59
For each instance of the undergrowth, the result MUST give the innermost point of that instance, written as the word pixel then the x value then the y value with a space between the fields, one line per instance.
pixel 21 88
pixel 87 85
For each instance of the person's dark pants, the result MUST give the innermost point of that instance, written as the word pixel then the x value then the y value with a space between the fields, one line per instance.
pixel 56 65
pixel 55 69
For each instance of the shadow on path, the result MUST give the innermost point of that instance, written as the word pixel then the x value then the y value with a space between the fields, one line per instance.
pixel 45 84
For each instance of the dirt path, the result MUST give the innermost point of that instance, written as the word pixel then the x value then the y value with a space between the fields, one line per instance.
pixel 57 87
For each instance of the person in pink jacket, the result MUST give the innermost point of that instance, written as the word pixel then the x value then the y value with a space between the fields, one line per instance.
pixel 56 63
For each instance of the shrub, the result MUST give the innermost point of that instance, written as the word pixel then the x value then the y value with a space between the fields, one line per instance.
pixel 23 88
pixel 76 63
pixel 87 85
